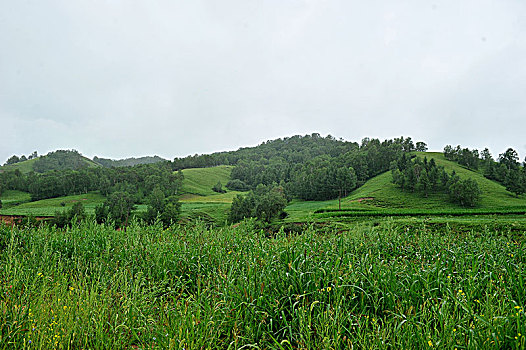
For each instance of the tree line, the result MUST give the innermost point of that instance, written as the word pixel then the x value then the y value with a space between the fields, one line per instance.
pixel 423 176
pixel 506 170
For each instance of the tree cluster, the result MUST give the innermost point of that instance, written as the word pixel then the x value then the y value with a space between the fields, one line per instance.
pixel 112 163
pixel 16 159
pixel 264 203
pixel 507 170
pixel 423 176
pixel 317 168
pixel 67 217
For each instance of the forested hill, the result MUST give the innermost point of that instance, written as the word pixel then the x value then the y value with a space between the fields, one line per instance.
pixel 57 160
pixel 112 163
pixel 309 167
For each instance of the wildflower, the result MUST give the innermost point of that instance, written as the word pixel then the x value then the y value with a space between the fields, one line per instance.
pixel 329 289
pixel 430 343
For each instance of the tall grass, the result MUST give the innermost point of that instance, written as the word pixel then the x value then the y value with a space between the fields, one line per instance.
pixel 386 286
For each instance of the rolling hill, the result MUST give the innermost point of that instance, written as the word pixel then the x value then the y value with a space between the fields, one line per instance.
pixel 379 194
pixel 58 160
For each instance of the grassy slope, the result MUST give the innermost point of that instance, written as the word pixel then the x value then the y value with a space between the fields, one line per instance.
pixel 199 181
pixel 27 165
pixel 198 199
pixel 24 167
pixel 47 207
pixel 380 193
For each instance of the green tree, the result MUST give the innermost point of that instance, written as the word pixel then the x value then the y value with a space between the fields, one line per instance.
pixel 171 212
pixel 515 181
pixel 120 205
pixel 510 159
pixel 465 192
pixel 421 147
pixel 218 187
pixel 264 203
pixel 12 160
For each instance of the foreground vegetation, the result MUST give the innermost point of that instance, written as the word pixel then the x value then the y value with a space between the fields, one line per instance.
pixel 401 284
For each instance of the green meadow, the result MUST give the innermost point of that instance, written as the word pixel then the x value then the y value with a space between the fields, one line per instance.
pixel 404 284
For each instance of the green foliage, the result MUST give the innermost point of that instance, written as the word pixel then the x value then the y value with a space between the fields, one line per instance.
pixel 464 156
pixel 421 147
pixel 399 285
pixel 218 187
pixel 120 205
pixel 76 213
pixel 61 160
pixel 237 185
pixel 111 163
pixel 12 160
pixel 166 209
pixel 264 203
pixel 425 176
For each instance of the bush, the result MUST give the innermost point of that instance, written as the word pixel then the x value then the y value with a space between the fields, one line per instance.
pixel 237 185
pixel 218 187
pixel 264 203
pixel 465 192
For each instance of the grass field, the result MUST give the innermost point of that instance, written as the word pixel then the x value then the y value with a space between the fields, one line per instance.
pixel 385 284
pixel 199 181
pixel 11 198
pixel 47 207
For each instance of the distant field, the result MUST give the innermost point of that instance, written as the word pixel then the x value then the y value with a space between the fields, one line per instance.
pixel 216 213
pixel 199 181
pixel 11 198
pixel 213 198
pixel 47 207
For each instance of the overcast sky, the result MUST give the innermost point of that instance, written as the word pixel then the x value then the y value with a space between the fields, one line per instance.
pixel 130 78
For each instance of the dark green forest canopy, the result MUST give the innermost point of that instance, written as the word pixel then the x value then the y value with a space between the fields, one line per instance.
pixel 113 163
pixel 309 167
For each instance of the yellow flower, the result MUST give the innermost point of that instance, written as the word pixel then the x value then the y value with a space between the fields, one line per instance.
pixel 329 289
pixel 430 343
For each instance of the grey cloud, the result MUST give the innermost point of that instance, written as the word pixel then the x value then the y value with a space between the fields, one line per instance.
pixel 178 77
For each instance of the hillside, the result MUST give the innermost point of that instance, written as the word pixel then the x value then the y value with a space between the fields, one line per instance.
pixel 380 193
pixel 115 163
pixel 25 166
pixel 58 160
pixel 197 198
